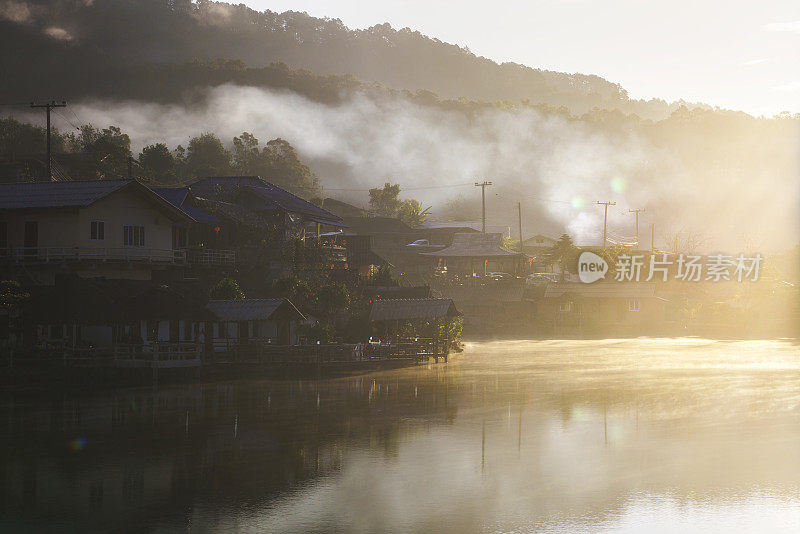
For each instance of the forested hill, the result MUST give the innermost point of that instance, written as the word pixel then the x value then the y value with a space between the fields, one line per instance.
pixel 143 49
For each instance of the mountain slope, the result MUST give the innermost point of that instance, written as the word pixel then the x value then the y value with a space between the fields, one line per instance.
pixel 80 46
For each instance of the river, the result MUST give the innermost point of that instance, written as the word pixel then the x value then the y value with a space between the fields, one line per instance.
pixel 640 436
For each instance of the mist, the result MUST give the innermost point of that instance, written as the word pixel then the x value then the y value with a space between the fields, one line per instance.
pixel 555 167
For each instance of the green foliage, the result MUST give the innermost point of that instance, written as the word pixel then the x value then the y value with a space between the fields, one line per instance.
pixel 462 209
pixel 383 277
pixel 451 334
pixel 333 299
pixel 384 202
pixel 226 289
pixel 412 213
pixel 563 252
pixel 107 150
pixel 277 162
pixel 158 162
pixel 206 156
pixel 293 288
pixel 510 243
pixel 322 332
pixel 12 295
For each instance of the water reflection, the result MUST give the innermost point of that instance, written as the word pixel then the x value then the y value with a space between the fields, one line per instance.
pixel 622 436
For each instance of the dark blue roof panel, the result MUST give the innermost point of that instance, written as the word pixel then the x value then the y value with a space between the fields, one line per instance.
pixel 177 197
pixel 270 193
pixel 20 195
pixel 173 195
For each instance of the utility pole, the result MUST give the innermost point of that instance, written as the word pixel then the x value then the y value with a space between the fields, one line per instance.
pixel 48 106
pixel 483 185
pixel 653 236
pixel 605 218
pixel 637 211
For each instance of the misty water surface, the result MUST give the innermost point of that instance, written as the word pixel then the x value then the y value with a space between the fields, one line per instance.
pixel 549 436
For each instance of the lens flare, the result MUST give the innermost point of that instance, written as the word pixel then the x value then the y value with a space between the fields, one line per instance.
pixel 78 444
pixel 578 202
pixel 618 184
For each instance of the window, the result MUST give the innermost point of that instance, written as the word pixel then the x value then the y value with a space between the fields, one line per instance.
pixel 97 231
pixel 133 236
pixel 152 330
pixel 633 305
pixel 565 306
pixel 179 237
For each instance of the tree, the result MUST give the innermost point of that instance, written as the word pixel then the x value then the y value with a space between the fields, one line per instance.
pixel 564 252
pixel 106 150
pixel 206 156
pixel 158 162
pixel 284 168
pixel 332 299
pixel 226 289
pixel 461 209
pixel 412 213
pixel 246 154
pixel 384 202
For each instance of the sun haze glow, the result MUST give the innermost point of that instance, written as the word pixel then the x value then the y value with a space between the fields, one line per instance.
pixel 740 55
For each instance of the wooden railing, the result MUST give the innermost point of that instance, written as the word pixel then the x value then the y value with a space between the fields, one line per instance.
pixel 158 351
pixel 205 256
pixel 92 254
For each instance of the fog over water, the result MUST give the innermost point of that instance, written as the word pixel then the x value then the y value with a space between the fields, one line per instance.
pixel 557 168
pixel 643 435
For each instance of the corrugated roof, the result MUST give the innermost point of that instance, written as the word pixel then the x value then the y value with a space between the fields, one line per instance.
pixel 177 196
pixel 20 195
pixel 601 290
pixel 79 194
pixel 410 309
pixel 250 309
pixel 272 194
pixel 474 246
pixel 174 195
pixel 377 225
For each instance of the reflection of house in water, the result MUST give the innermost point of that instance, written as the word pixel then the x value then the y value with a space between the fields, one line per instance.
pixel 138 459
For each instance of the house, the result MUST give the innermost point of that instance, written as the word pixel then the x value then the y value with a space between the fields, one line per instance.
pixel 288 214
pixel 100 228
pixel 476 254
pixel 536 249
pixel 388 239
pixel 466 227
pixel 243 321
pixel 105 316
pixel 245 220
pixel 429 318
pixel 605 307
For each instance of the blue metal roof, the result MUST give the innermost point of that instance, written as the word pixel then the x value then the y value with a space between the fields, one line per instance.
pixel 177 197
pixel 270 193
pixel 20 195
pixel 173 195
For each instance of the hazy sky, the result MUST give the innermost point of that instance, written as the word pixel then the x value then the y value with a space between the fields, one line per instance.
pixel 733 54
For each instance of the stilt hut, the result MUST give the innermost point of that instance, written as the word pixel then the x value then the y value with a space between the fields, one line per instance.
pixel 431 315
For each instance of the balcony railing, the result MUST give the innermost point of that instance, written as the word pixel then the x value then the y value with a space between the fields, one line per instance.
pixel 210 256
pixel 40 255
